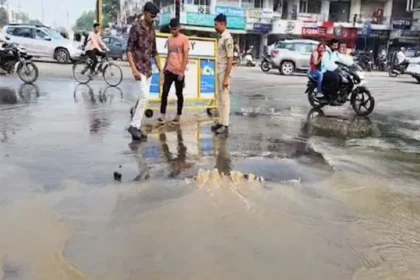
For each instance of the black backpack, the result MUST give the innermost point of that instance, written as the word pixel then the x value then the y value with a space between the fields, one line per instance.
pixel 86 40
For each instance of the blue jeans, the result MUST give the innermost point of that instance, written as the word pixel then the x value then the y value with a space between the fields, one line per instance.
pixel 317 75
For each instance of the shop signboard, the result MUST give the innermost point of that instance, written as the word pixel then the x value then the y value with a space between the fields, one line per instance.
pixel 207 20
pixel 282 26
pixel 401 23
pixel 231 11
pixel 263 28
pixel 379 34
pixel 314 31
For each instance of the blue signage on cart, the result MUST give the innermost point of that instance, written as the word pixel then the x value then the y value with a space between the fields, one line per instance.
pixel 155 82
pixel 207 79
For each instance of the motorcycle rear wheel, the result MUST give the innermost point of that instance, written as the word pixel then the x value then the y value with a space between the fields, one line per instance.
pixel 362 102
pixel 265 66
pixel 391 72
pixel 27 72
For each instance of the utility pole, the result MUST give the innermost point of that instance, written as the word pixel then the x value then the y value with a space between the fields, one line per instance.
pixel 99 12
pixel 42 7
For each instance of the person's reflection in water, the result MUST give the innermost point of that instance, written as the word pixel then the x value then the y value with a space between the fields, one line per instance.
pixel 139 151
pixel 223 161
pixel 179 163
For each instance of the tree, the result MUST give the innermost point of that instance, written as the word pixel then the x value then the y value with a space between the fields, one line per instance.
pixel 85 21
pixel 110 10
pixel 2 2
pixel 22 17
pixel 35 22
pixel 4 17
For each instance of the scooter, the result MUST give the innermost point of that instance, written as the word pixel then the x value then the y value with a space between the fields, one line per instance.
pixel 265 63
pixel 246 59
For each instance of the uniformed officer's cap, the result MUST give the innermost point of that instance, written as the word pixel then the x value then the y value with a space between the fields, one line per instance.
pixel 220 18
pixel 151 8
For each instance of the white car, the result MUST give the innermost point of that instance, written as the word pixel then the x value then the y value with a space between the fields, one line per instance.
pixel 43 42
pixel 290 56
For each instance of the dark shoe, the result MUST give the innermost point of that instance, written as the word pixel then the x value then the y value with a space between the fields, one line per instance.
pixel 136 134
pixel 216 127
pixel 160 121
pixel 222 130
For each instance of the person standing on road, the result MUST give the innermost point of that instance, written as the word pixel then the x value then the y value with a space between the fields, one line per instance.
pixel 224 69
pixel 141 48
pixel 174 70
pixel 95 47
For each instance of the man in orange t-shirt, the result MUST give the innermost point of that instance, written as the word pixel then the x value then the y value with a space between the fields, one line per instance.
pixel 174 70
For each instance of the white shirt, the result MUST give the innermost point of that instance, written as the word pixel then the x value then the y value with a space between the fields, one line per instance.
pixel 401 57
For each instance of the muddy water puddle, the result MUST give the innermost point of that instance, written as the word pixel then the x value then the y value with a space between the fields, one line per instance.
pixel 338 200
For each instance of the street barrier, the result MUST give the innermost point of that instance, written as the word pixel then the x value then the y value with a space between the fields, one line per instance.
pixel 200 77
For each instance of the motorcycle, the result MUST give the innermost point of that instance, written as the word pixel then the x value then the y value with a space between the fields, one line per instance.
pixel 352 88
pixel 265 63
pixel 365 61
pixel 13 57
pixel 397 69
pixel 381 63
pixel 246 58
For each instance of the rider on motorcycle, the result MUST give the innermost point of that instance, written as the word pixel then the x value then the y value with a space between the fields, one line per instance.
pixel 328 67
pixel 401 58
pixel 315 65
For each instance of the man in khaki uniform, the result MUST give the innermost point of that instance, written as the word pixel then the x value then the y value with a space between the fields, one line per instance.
pixel 224 69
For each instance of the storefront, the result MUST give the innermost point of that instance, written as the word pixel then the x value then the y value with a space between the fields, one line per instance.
pixel 345 35
pixel 375 41
pixel 404 38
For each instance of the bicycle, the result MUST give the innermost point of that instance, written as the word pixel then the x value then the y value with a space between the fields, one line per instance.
pixel 107 68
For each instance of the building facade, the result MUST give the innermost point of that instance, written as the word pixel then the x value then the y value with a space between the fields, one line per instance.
pixel 13 13
pixel 364 24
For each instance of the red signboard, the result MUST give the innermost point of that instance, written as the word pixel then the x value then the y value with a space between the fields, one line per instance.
pixel 314 31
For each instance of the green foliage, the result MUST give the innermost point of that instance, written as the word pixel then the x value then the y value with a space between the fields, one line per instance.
pixel 85 21
pixel 110 10
pixel 4 17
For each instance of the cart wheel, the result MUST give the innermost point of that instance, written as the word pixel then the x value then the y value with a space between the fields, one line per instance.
pixel 211 112
pixel 148 113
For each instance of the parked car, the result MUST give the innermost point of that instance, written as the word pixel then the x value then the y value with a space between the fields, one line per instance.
pixel 42 41
pixel 292 55
pixel 117 47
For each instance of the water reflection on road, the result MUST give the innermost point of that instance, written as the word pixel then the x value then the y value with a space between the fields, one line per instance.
pixel 340 199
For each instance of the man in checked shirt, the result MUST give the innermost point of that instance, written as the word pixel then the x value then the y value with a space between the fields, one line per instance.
pixel 141 47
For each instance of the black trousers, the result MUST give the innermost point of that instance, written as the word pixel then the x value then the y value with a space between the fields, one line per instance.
pixel 93 54
pixel 170 78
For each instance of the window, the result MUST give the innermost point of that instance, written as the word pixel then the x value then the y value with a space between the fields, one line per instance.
pixel 40 35
pixel 10 30
pixel 303 6
pixel 258 3
pixel 54 34
pixel 303 47
pixel 24 32
pixel 283 45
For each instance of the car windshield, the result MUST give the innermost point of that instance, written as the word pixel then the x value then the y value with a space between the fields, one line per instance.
pixel 54 34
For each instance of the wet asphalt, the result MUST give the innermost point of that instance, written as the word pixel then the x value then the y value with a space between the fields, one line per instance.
pixel 57 129
pixel 56 132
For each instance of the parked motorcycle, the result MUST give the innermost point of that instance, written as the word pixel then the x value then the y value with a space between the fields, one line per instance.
pixel 13 57
pixel 246 58
pixel 352 88
pixel 365 61
pixel 265 64
pixel 381 63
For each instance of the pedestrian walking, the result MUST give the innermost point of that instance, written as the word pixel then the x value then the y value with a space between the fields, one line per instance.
pixel 174 70
pixel 141 48
pixel 224 69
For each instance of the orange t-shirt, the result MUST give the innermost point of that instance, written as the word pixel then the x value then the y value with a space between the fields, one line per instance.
pixel 176 47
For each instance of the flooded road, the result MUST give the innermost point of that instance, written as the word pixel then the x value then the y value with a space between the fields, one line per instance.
pixel 339 198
